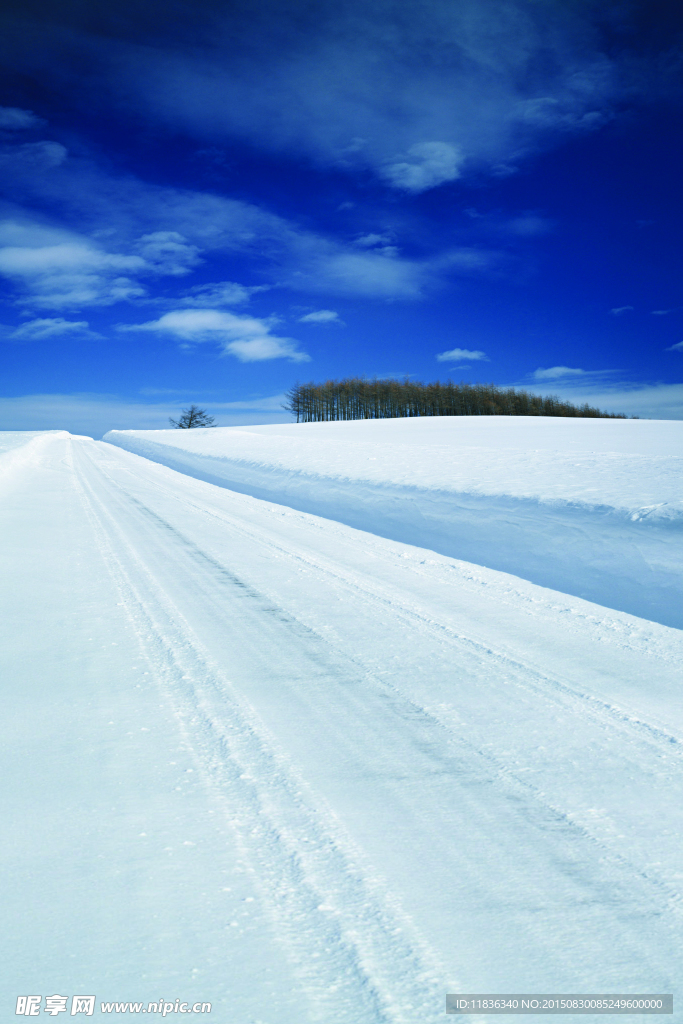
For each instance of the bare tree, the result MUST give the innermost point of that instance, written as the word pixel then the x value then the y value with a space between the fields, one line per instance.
pixel 193 417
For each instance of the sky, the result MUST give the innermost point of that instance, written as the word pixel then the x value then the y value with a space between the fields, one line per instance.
pixel 207 202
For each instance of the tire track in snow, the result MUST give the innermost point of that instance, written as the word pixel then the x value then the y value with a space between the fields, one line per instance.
pixel 357 954
pixel 541 812
pixel 391 601
pixel 628 729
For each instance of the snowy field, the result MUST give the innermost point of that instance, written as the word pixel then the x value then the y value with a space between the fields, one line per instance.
pixel 593 508
pixel 346 732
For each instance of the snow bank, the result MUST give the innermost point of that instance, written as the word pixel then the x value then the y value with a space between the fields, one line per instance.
pixel 592 508
pixel 20 448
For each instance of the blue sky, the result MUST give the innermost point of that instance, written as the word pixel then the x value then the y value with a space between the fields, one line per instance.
pixel 206 202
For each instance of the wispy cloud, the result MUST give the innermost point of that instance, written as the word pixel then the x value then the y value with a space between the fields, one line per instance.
pixel 13 119
pixel 247 338
pixel 372 240
pixel 525 224
pixel 267 403
pixel 528 225
pixel 556 372
pixel 51 327
pixel 321 316
pixel 94 414
pixel 221 293
pixel 425 165
pixel 56 268
pixel 618 310
pixel 24 160
pixel 131 232
pixel 329 267
pixel 459 355
pixel 678 347
pixel 652 401
pixel 168 252
pixel 416 93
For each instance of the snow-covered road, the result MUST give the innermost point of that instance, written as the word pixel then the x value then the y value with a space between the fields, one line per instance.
pixel 309 774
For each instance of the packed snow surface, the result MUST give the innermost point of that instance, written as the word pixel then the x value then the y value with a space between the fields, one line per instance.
pixel 588 506
pixel 311 773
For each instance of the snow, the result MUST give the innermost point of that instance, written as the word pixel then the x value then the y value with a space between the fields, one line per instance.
pixel 311 773
pixel 19 447
pixel 583 506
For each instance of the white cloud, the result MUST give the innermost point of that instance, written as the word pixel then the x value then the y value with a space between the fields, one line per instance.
pixel 168 252
pixel 14 119
pixel 266 346
pixel 556 372
pixel 426 165
pixel 67 256
pixel 321 316
pixel 621 309
pixel 58 268
pixel 51 327
pixel 458 355
pixel 678 347
pixel 660 312
pixel 247 338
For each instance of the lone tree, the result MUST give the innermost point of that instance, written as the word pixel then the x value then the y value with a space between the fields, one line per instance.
pixel 193 417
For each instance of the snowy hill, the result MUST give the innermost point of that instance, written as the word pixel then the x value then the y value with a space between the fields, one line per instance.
pixel 590 507
pixel 316 774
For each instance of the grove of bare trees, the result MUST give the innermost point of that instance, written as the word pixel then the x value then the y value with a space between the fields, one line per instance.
pixel 358 398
